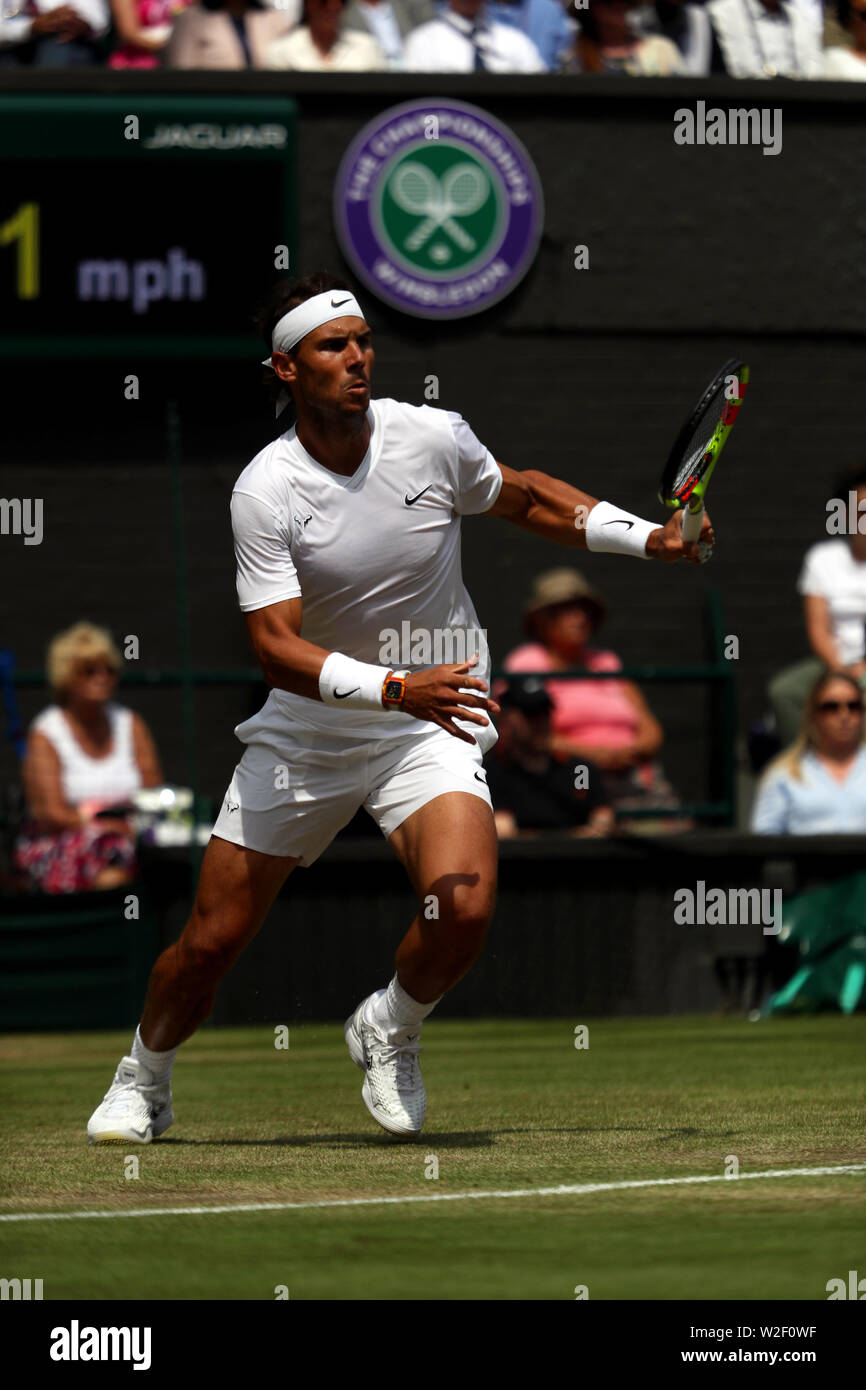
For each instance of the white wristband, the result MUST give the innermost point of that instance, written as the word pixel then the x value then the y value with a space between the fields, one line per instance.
pixel 622 533
pixel 351 684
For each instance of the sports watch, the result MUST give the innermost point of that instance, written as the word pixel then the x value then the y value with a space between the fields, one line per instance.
pixel 393 689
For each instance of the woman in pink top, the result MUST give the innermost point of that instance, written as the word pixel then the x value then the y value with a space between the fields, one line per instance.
pixel 143 28
pixel 605 722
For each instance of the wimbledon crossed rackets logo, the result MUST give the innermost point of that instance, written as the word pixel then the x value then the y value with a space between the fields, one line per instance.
pixel 462 190
pixel 438 208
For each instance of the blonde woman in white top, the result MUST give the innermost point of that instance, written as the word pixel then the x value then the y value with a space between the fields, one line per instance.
pixel 85 754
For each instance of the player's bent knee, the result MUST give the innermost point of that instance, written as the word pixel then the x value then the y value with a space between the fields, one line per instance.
pixel 466 930
pixel 207 954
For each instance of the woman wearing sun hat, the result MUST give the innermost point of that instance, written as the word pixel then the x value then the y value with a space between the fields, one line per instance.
pixel 606 722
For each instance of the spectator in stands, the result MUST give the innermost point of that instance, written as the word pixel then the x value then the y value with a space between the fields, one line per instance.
pixel 85 757
pixel 464 38
pixel 550 24
pixel 321 44
pixel 51 34
pixel 225 34
pixel 606 722
pixel 688 28
pixel 833 586
pixel 531 790
pixel 390 22
pixel 143 28
pixel 767 38
pixel 818 785
pixel 849 64
pixel 609 41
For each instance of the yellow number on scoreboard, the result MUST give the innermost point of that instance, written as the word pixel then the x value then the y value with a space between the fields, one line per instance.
pixel 23 227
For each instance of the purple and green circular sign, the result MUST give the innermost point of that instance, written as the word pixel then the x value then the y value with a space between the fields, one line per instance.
pixel 438 208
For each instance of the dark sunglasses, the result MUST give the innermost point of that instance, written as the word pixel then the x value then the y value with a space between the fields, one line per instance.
pixel 834 706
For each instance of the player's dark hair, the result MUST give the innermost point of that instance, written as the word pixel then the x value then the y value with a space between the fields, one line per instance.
pixel 850 481
pixel 280 298
pixel 843 12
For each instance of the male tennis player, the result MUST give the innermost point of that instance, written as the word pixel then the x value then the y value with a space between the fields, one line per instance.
pixel 345 527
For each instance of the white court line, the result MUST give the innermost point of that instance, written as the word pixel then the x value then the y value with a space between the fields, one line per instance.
pixel 578 1190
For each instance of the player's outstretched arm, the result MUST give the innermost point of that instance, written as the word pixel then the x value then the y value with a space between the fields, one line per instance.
pixel 561 513
pixel 438 695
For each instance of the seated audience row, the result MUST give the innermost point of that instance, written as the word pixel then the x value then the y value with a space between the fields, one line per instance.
pixel 571 752
pixel 669 38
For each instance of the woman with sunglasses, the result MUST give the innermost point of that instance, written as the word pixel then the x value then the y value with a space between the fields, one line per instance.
pixel 85 757
pixel 818 785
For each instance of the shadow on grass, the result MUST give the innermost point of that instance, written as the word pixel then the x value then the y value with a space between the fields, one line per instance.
pixel 472 1139
pixel 361 1141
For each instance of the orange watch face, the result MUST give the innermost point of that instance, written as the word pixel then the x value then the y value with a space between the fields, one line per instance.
pixel 394 689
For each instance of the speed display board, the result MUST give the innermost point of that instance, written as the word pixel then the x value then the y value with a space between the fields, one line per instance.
pixel 142 224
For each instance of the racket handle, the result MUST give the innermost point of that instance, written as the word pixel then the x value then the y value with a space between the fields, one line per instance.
pixel 692 523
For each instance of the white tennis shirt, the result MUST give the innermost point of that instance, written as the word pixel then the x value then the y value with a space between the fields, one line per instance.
pixel 375 557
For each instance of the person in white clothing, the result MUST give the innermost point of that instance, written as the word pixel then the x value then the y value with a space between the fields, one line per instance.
pixel 767 38
pixel 464 39
pixel 85 757
pixel 321 44
pixel 848 64
pixel 389 21
pixel 347 536
pixel 832 584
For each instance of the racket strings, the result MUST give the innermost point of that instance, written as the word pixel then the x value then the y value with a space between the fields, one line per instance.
pixel 696 450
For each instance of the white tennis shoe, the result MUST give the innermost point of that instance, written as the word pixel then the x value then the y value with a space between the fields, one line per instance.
pixel 134 1110
pixel 393 1089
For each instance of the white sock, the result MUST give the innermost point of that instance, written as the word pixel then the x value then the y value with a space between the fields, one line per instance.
pixel 158 1063
pixel 396 1014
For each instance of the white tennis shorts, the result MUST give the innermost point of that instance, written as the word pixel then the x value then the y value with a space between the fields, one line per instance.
pixel 293 790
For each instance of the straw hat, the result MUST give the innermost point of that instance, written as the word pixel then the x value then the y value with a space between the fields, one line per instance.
pixel 561 586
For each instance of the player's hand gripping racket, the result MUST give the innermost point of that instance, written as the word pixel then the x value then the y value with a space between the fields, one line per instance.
pixel 696 448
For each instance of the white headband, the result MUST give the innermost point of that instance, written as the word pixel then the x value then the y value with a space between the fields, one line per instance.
pixel 298 322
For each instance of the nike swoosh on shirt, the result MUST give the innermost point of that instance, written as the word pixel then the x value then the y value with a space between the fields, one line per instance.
pixel 342 694
pixel 335 303
pixel 619 522
pixel 480 778
pixel 410 500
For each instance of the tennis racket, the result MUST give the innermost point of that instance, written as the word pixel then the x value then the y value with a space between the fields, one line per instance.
pixel 696 448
